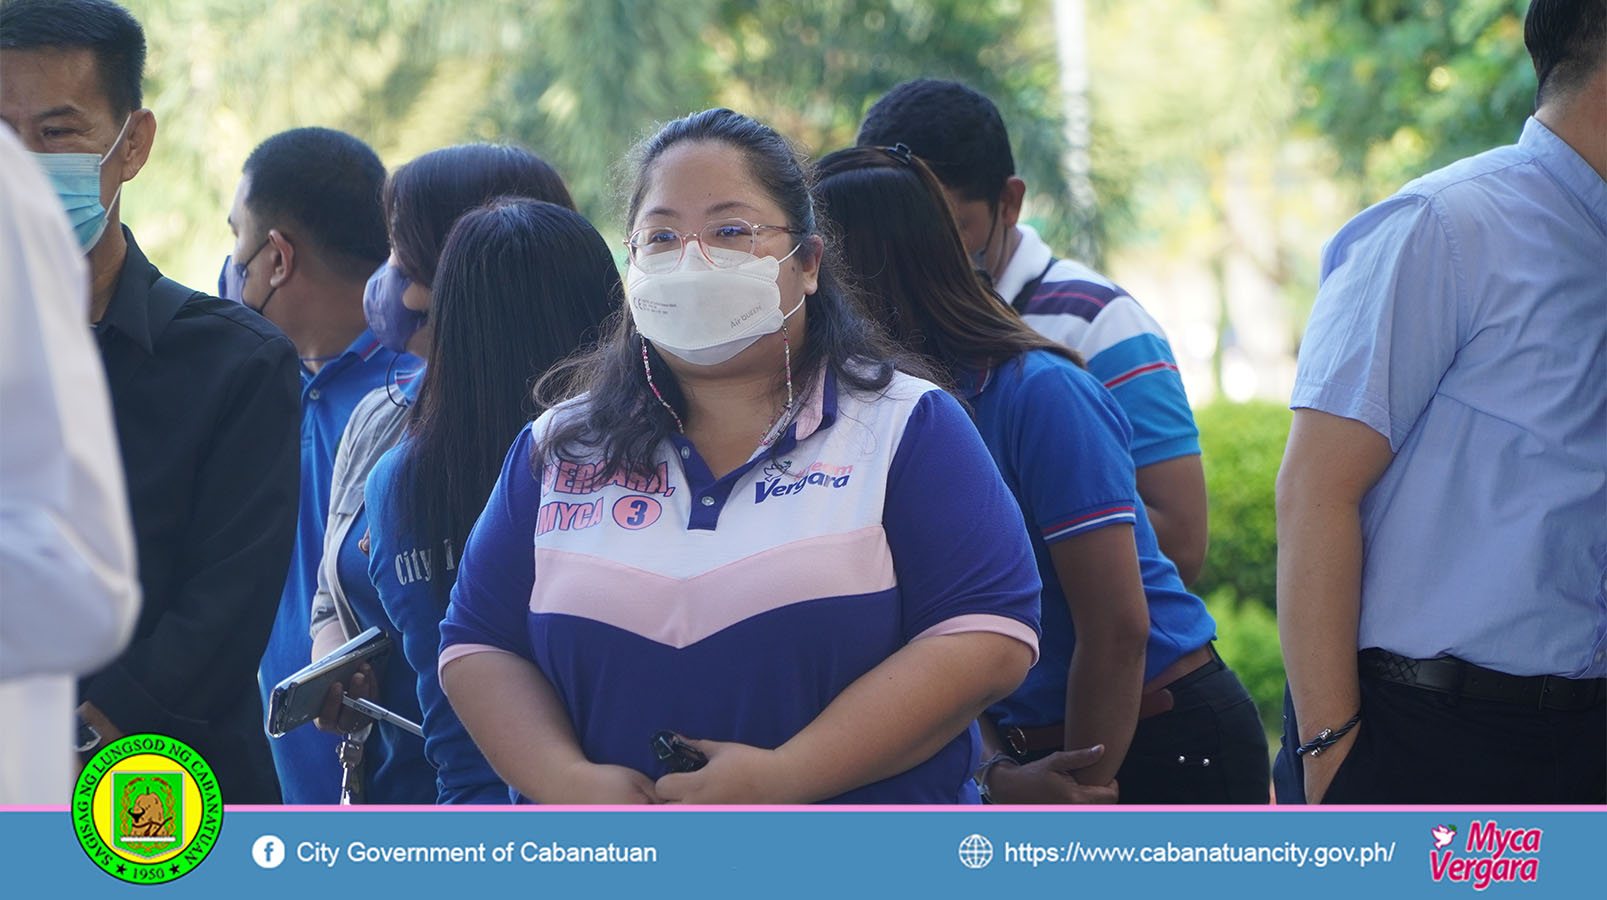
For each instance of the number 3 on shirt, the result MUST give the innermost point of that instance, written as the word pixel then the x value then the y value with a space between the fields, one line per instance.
pixel 636 513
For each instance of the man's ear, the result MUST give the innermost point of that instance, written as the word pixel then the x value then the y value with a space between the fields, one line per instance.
pixel 1010 199
pixel 136 146
pixel 286 265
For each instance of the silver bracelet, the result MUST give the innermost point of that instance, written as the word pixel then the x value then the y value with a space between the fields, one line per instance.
pixel 981 776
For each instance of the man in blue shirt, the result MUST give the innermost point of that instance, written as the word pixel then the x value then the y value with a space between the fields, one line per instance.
pixel 1441 500
pixel 309 231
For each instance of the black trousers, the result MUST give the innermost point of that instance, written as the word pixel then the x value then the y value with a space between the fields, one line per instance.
pixel 1417 746
pixel 1209 748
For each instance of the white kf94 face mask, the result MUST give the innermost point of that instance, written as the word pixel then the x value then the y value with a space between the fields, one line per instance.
pixel 706 315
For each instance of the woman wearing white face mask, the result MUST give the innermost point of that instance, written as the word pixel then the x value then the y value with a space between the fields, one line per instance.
pixel 749 530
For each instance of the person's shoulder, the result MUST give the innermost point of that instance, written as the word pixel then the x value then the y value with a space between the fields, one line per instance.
pixel 905 398
pixel 1071 288
pixel 1470 176
pixel 1037 373
pixel 385 466
pixel 383 401
pixel 564 414
pixel 907 388
pixel 1064 271
pixel 231 325
pixel 1466 198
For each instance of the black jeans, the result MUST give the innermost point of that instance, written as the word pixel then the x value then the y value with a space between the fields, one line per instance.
pixel 1417 746
pixel 1208 748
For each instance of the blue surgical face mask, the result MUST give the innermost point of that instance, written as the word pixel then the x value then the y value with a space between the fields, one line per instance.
pixel 76 178
pixel 388 317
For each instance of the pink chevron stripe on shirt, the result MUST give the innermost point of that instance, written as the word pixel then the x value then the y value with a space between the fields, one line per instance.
pixel 680 612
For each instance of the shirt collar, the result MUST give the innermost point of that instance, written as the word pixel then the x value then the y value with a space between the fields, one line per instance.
pixel 1565 164
pixel 408 383
pixel 365 346
pixel 972 382
pixel 363 349
pixel 1029 260
pixel 130 308
pixel 820 408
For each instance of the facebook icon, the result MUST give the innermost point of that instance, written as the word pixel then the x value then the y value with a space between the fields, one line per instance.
pixel 268 851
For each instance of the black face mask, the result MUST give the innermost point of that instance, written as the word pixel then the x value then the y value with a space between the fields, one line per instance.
pixel 979 258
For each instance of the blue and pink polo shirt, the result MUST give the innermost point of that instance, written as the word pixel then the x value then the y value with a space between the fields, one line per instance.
pixel 737 608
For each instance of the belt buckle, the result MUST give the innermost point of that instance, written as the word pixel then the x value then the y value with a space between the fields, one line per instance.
pixel 1017 739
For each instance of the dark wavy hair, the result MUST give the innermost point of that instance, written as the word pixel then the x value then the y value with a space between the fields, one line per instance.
pixel 900 242
pixel 424 197
pixel 521 284
pixel 622 422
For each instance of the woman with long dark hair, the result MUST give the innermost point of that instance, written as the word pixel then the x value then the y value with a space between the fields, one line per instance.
pixel 1127 661
pixel 521 285
pixel 767 567
pixel 423 201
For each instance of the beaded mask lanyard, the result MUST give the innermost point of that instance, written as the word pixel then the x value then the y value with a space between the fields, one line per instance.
pixel 771 431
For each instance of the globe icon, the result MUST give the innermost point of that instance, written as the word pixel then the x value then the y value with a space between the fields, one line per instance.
pixel 976 851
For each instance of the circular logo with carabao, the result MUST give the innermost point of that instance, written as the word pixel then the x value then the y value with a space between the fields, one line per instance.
pixel 147 809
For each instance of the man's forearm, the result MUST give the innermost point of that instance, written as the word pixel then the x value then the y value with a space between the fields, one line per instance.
pixel 1319 606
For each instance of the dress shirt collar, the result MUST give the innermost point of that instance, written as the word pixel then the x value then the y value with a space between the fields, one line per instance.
pixel 130 310
pixel 1570 170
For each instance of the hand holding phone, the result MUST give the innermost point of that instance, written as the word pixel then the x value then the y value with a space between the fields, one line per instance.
pixel 677 754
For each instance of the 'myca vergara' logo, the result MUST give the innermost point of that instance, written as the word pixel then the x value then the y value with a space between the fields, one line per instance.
pixel 1494 854
pixel 147 809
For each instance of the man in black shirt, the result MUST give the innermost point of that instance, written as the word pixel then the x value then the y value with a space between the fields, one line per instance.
pixel 205 396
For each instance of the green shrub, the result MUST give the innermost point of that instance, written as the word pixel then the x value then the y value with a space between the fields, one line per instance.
pixel 1241 445
pixel 1247 638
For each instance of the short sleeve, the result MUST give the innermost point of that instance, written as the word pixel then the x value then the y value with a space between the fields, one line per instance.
pixel 960 550
pixel 1141 373
pixel 1068 446
pixel 491 598
pixel 1384 328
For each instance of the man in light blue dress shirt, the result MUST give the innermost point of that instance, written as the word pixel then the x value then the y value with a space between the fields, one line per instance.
pixel 1442 506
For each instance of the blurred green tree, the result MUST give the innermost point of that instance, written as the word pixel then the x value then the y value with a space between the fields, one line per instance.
pixel 577 82
pixel 1403 87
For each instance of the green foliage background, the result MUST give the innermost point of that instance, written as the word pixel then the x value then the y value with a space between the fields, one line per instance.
pixel 1364 93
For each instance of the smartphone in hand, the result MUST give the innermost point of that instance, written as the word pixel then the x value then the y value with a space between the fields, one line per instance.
pixel 677 754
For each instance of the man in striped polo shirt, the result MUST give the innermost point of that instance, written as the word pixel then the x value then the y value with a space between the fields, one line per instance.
pixel 961 136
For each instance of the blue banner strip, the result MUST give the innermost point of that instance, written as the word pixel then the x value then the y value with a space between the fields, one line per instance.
pixel 1356 854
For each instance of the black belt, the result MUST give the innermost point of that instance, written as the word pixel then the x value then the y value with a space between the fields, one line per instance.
pixel 1449 675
